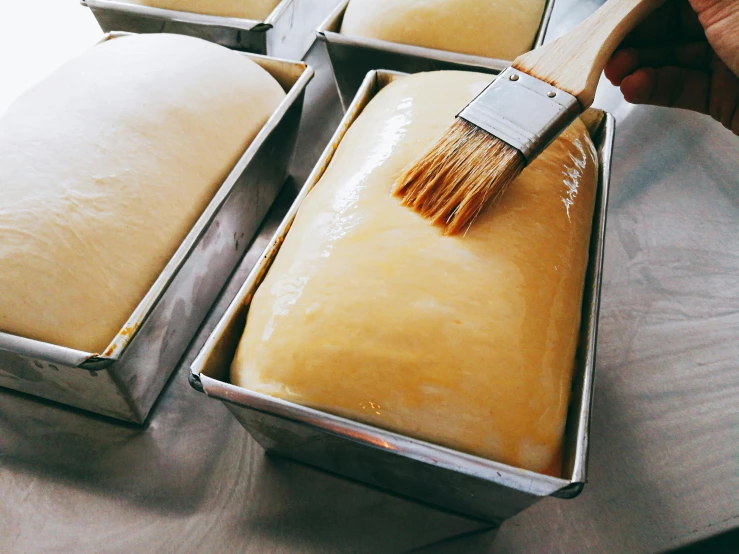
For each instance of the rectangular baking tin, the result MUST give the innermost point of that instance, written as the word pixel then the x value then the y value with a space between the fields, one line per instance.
pixel 287 32
pixel 352 57
pixel 125 380
pixel 451 480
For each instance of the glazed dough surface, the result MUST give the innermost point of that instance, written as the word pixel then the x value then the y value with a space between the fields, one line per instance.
pixel 500 29
pixel 105 167
pixel 244 9
pixel 370 313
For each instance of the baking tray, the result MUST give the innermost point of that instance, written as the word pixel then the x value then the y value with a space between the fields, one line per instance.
pixel 352 57
pixel 125 380
pixel 287 32
pixel 457 482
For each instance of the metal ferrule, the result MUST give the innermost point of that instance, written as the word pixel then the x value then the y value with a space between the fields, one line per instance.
pixel 523 111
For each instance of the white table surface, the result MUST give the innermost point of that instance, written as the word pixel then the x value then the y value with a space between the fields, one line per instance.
pixel 664 467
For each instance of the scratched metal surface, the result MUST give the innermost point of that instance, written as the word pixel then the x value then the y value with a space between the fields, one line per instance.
pixel 664 467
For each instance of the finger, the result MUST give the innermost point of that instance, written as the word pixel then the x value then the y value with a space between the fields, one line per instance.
pixel 673 87
pixel 622 63
pixel 694 55
pixel 723 104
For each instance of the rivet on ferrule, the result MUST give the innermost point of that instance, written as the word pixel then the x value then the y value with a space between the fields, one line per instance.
pixel 522 111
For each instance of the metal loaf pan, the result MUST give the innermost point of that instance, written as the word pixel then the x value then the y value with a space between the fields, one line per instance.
pixel 287 32
pixel 124 381
pixel 454 481
pixel 352 57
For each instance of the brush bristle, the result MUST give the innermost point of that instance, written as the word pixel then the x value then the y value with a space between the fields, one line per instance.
pixel 466 170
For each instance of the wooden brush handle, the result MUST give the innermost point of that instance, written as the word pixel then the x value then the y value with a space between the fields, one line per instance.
pixel 574 61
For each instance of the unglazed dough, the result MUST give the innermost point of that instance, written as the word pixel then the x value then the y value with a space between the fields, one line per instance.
pixel 244 9
pixel 105 167
pixel 371 313
pixel 500 29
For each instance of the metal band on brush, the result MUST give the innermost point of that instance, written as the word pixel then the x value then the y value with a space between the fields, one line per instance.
pixel 522 111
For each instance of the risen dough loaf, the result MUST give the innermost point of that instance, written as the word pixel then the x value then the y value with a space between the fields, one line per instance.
pixel 500 29
pixel 245 9
pixel 104 168
pixel 468 341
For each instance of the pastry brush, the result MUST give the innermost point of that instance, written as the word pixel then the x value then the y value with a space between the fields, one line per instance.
pixel 515 118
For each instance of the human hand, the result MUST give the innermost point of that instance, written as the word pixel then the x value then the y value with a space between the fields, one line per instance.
pixel 685 55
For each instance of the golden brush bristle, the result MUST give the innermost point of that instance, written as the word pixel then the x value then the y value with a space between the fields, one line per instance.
pixel 463 172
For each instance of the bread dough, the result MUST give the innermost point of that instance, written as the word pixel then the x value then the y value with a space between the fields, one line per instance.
pixel 467 341
pixel 244 9
pixel 105 167
pixel 500 29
